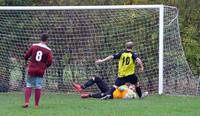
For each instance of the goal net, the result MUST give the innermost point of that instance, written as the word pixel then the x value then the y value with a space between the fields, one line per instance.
pixel 80 35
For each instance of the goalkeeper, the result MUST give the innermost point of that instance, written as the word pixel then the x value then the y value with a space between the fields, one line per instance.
pixel 122 92
pixel 126 69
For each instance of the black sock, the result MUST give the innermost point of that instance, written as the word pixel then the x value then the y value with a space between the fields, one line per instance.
pixel 88 84
pixel 138 90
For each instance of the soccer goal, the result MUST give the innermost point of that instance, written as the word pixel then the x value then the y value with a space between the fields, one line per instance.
pixel 81 34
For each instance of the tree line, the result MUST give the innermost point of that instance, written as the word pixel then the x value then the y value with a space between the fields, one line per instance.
pixel 188 18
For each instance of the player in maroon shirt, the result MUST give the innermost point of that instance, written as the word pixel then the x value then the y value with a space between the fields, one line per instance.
pixel 40 59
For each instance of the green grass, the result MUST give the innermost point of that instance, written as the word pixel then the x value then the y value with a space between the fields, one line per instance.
pixel 72 105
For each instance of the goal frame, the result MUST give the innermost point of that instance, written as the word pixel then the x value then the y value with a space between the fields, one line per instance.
pixel 161 24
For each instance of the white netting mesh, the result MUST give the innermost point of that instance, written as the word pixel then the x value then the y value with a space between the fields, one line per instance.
pixel 79 37
pixel 178 78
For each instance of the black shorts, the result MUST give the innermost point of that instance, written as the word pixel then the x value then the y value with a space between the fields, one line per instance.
pixel 128 79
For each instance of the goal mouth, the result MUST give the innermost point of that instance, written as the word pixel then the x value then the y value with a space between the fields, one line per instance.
pixel 81 34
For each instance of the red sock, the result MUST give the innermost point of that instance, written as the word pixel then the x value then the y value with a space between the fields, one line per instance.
pixel 28 91
pixel 37 96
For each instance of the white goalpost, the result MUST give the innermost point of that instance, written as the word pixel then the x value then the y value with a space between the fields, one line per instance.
pixel 81 34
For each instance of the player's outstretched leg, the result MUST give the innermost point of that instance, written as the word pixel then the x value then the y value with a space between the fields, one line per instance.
pixel 27 92
pixel 101 84
pixel 77 87
pixel 92 95
pixel 85 95
pixel 89 83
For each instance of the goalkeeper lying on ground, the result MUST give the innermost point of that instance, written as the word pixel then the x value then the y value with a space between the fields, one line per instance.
pixel 122 92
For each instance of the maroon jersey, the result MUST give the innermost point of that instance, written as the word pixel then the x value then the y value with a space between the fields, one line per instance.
pixel 41 58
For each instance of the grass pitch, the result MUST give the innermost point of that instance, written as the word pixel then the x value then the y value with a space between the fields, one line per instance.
pixel 71 105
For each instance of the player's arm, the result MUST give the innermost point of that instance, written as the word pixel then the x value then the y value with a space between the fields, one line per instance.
pixel 49 59
pixel 114 56
pixel 28 53
pixel 139 62
pixel 105 59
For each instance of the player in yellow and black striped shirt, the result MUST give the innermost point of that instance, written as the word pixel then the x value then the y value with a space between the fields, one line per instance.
pixel 126 68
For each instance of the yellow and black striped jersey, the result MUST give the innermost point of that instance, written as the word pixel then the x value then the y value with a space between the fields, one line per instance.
pixel 126 64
